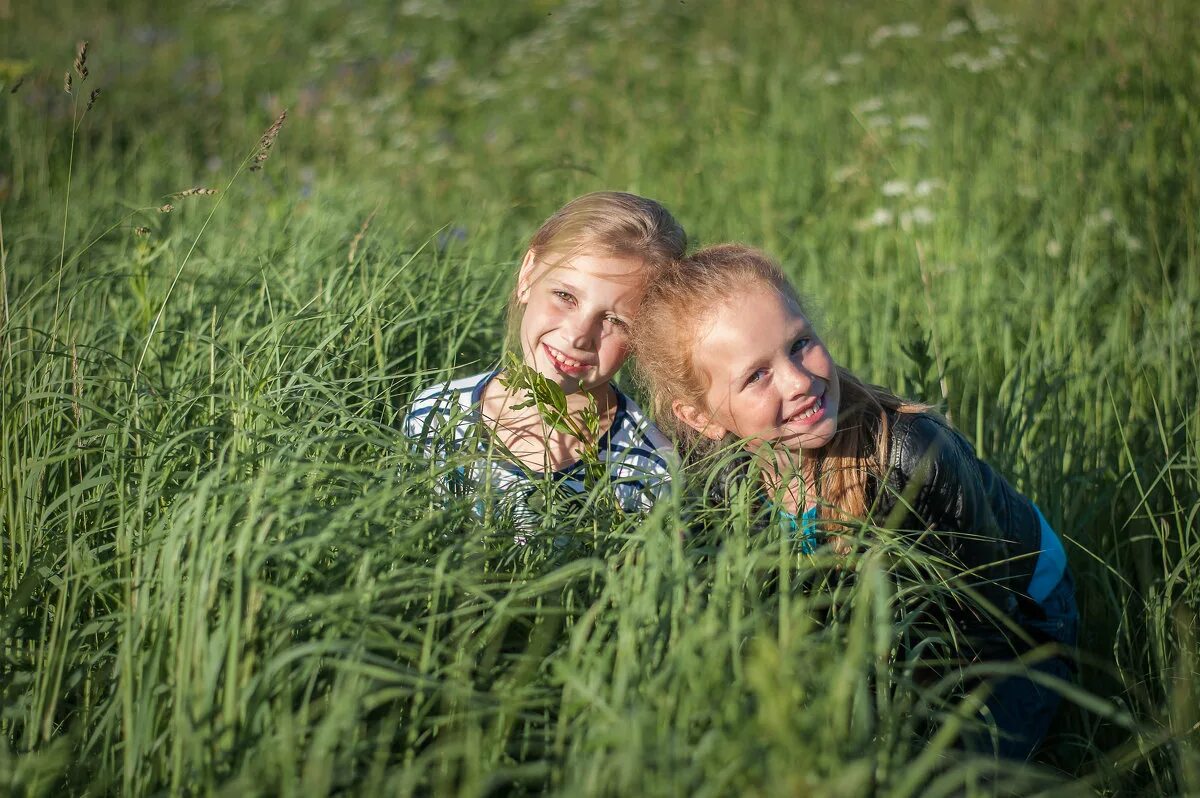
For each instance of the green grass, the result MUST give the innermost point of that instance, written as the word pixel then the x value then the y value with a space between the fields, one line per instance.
pixel 220 571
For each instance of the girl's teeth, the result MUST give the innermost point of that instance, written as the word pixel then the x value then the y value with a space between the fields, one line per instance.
pixel 566 361
pixel 812 411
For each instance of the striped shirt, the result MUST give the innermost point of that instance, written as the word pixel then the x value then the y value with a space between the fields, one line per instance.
pixel 444 421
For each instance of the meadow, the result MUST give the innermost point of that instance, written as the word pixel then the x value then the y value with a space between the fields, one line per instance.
pixel 223 573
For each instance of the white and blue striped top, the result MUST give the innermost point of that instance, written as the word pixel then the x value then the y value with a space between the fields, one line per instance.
pixel 444 420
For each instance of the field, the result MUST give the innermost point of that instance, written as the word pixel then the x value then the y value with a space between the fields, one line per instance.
pixel 221 571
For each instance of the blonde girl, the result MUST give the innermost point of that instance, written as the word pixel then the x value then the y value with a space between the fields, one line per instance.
pixel 577 292
pixel 730 355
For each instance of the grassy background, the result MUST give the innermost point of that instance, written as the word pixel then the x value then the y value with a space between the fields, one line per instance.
pixel 220 575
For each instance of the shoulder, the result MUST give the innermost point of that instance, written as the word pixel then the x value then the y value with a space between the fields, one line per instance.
pixel 437 403
pixel 925 445
pixel 932 471
pixel 933 468
pixel 634 439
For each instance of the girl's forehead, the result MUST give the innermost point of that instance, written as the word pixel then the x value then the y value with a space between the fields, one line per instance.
pixel 754 301
pixel 604 267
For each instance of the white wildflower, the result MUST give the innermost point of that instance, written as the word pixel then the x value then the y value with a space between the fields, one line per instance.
pixel 920 216
pixel 879 121
pixel 955 27
pixel 986 21
pixel 1133 243
pixel 894 188
pixel 870 106
pixel 851 59
pixel 880 217
pixel 915 122
pixel 441 69
pixel 959 60
pixel 1053 248
pixel 831 78
pixel 881 35
pixel 907 30
pixel 926 187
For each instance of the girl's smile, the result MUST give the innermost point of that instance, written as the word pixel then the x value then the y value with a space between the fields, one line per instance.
pixel 769 377
pixel 564 365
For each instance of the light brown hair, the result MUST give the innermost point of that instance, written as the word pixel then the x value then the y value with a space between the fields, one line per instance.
pixel 680 300
pixel 603 223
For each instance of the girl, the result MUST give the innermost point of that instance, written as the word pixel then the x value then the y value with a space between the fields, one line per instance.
pixel 730 355
pixel 577 291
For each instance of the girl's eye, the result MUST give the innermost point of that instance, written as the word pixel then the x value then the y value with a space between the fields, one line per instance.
pixel 756 377
pixel 617 323
pixel 563 295
pixel 801 343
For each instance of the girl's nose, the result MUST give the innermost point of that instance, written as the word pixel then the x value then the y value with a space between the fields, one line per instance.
pixel 795 380
pixel 582 333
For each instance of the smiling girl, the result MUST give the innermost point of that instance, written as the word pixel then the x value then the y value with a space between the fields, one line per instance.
pixel 732 357
pixel 578 289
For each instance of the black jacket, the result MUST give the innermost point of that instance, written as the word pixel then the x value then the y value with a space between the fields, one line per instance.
pixel 934 482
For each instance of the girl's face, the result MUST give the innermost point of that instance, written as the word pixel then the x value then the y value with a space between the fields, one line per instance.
pixel 769 377
pixel 575 330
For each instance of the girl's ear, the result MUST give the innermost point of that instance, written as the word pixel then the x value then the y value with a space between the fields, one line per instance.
pixel 525 277
pixel 698 420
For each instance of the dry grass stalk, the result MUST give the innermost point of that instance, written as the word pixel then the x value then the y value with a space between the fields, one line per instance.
pixel 267 141
pixel 362 232
pixel 81 60
pixel 92 98
pixel 67 82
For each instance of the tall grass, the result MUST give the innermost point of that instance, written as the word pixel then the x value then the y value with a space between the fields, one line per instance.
pixel 222 572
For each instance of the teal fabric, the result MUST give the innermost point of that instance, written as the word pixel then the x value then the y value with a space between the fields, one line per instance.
pixel 1051 563
pixel 803 529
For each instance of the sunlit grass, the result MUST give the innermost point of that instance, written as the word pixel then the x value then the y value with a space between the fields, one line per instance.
pixel 222 571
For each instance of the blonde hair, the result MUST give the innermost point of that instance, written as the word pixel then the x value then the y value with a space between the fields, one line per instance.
pixel 681 299
pixel 604 223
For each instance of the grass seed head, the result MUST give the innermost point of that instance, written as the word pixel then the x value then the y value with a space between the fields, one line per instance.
pixel 67 82
pixel 81 60
pixel 141 232
pixel 76 390
pixel 362 232
pixel 166 208
pixel 16 85
pixel 198 191
pixel 92 98
pixel 267 141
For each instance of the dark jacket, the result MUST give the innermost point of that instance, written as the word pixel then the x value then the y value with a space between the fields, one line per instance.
pixel 934 482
